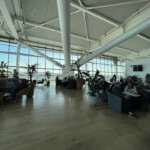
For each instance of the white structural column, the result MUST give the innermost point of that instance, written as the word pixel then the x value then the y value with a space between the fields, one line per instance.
pixel 18 57
pixel 39 53
pixel 64 19
pixel 132 32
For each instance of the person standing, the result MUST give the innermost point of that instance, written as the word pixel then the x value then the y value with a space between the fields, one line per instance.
pixel 15 74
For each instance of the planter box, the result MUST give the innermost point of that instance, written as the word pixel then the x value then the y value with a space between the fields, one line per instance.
pixel 92 99
pixel 80 83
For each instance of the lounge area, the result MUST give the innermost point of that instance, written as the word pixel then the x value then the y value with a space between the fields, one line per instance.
pixel 74 74
pixel 55 116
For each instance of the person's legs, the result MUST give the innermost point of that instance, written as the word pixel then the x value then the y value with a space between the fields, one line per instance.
pixel 128 105
pixel 128 102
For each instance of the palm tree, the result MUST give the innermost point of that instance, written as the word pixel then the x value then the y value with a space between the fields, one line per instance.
pixel 31 70
pixel 3 66
pixel 48 75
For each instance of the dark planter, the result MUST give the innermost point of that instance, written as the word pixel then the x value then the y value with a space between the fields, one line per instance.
pixel 80 83
pixel 31 92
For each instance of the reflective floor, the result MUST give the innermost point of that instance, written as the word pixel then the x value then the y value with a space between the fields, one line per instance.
pixel 61 119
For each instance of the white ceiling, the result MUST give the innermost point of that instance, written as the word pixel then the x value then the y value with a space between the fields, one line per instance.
pixel 84 31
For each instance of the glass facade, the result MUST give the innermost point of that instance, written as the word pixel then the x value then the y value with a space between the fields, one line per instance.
pixel 8 53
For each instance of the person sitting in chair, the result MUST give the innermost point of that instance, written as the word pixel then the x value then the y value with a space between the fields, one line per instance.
pixel 127 99
pixel 131 88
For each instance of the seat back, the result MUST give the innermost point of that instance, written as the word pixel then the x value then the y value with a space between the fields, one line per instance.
pixel 23 91
pixel 1 95
pixel 115 102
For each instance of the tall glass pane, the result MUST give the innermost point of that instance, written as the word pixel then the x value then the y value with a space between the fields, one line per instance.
pixel 3 46
pixel 23 61
pixel 12 60
pixel 24 50
pixel 13 49
pixel 4 57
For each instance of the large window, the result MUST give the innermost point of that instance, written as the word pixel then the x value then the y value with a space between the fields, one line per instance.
pixel 106 65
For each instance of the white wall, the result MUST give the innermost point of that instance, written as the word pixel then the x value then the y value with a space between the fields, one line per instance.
pixel 146 67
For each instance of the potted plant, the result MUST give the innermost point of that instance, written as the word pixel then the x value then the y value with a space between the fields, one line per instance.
pixel 133 79
pixel 93 82
pixel 48 75
pixel 93 86
pixel 3 71
pixel 79 81
pixel 31 71
pixel 147 78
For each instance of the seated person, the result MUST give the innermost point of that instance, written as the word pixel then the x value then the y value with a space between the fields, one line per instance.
pixel 131 88
pixel 144 90
pixel 64 82
pixel 147 85
pixel 24 84
pixel 139 82
pixel 124 83
pixel 103 84
pixel 127 99
pixel 121 79
pixel 58 82
pixel 114 79
pixel 71 83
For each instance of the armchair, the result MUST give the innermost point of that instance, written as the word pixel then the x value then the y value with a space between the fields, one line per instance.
pixel 115 102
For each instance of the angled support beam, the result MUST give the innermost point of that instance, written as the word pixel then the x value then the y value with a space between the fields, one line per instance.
pixel 49 28
pixel 8 18
pixel 129 24
pixel 101 17
pixel 132 32
pixel 86 27
pixel 39 53
pixel 85 22
pixel 117 4
pixel 64 19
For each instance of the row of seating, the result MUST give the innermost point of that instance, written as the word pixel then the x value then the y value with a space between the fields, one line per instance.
pixel 116 103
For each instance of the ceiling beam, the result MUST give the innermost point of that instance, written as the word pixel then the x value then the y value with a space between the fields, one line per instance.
pixel 127 35
pixel 141 53
pixel 45 23
pixel 143 37
pixel 116 4
pixel 114 54
pixel 51 43
pixel 8 18
pixel 86 27
pixel 49 28
pixel 125 49
pixel 37 41
pixel 127 25
pixel 101 17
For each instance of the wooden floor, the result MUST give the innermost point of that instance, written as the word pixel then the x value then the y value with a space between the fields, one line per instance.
pixel 61 119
